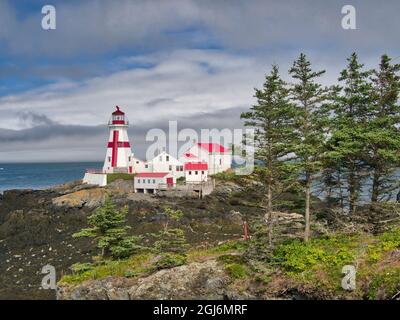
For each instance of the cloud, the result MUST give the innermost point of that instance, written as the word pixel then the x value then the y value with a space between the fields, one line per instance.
pixel 50 141
pixel 93 27
pixel 192 61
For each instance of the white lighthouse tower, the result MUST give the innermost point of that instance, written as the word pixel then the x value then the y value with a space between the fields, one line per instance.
pixel 119 157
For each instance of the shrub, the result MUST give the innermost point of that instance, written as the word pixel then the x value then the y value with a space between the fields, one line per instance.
pixel 170 260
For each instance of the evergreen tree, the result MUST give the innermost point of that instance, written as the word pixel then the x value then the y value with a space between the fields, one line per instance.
pixel 109 229
pixel 383 136
pixel 272 118
pixel 169 239
pixel 309 97
pixel 351 110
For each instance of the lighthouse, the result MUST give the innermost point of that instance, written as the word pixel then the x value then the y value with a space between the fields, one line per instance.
pixel 119 157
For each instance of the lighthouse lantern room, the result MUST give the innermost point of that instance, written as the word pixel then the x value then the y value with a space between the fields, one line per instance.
pixel 119 157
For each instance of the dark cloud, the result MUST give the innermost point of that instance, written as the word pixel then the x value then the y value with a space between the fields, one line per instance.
pixel 88 142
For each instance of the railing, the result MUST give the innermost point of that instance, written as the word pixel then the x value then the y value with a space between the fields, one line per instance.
pixel 110 122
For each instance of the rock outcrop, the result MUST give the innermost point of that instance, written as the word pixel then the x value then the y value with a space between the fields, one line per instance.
pixel 206 280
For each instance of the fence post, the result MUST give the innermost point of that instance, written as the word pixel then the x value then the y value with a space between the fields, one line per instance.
pixel 246 230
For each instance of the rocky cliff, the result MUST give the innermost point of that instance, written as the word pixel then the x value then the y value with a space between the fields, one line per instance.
pixel 36 227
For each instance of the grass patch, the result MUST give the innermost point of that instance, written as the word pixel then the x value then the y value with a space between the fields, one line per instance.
pixel 117 176
pixel 233 246
pixel 385 285
pixel 134 266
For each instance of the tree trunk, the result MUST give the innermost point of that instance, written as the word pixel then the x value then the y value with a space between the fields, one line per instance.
pixel 308 204
pixel 352 192
pixel 375 186
pixel 269 212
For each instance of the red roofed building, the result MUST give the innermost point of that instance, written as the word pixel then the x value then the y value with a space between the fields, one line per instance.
pixel 196 172
pixel 196 166
pixel 217 157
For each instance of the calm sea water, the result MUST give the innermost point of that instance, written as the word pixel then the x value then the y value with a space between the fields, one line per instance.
pixel 41 175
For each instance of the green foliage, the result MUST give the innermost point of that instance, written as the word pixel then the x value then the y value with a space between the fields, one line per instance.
pixel 180 180
pixel 170 260
pixel 228 175
pixel 80 268
pixel 111 177
pixel 126 247
pixel 109 229
pixel 386 284
pixel 235 266
pixel 134 266
pixel 171 240
pixel 236 271
pixel 329 254
pixel 347 144
pixel 386 242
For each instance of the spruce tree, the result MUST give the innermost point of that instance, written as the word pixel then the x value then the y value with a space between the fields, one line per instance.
pixel 272 119
pixel 349 127
pixel 383 135
pixel 309 96
pixel 109 229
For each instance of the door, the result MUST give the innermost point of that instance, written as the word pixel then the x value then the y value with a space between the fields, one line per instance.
pixel 170 182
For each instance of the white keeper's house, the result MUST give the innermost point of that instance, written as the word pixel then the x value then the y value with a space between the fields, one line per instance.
pixel 193 166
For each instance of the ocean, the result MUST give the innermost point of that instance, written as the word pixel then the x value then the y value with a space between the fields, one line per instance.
pixel 41 175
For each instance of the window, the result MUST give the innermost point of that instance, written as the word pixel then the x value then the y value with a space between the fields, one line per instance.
pixel 148 180
pixel 220 161
pixel 181 168
pixel 137 162
pixel 196 173
pixel 146 166
pixel 170 168
pixel 129 159
pixel 167 158
pixel 160 158
pixel 190 172
pixel 202 172
pixel 177 168
pixel 109 159
pixel 154 181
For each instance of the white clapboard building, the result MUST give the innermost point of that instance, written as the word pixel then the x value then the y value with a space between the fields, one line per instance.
pixel 151 182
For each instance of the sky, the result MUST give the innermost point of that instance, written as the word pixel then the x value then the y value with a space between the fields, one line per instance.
pixel 194 62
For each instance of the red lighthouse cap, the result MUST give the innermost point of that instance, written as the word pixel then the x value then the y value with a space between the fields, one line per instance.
pixel 118 112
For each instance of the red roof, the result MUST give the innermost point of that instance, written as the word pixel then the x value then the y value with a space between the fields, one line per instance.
pixel 212 147
pixel 151 174
pixel 118 112
pixel 189 155
pixel 196 166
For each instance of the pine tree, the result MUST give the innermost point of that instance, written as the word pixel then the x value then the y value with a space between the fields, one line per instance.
pixel 309 97
pixel 383 135
pixel 109 229
pixel 272 118
pixel 347 144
